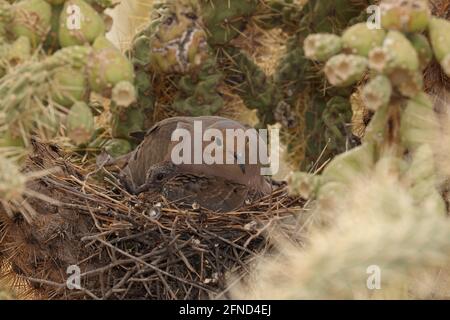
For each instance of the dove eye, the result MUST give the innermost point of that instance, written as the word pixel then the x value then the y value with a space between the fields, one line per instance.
pixel 191 15
pixel 159 177
pixel 168 21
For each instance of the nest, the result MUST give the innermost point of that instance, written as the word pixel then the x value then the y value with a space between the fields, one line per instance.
pixel 127 247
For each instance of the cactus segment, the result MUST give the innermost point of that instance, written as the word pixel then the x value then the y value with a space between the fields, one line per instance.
pixel 322 46
pixel 396 53
pixel 70 85
pixel 440 38
pixel 124 94
pixel 377 92
pixel 79 24
pixel 107 67
pixel 31 19
pixel 344 69
pixel 405 15
pixel 359 39
pixel 80 123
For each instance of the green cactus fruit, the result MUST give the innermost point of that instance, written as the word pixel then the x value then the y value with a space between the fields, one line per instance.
pixel 19 51
pixel 397 53
pixel 79 24
pixel 107 67
pixel 402 53
pixel 359 39
pixel 423 48
pixel 32 19
pixel 126 121
pixel 69 85
pixel 405 15
pixel 377 92
pixel 322 46
pixel 440 37
pixel 419 123
pixel 345 69
pixel 80 123
pixel 117 147
pixel 304 184
pixel 12 181
pixel 345 167
pixel 124 94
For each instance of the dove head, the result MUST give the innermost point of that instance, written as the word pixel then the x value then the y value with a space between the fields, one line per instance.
pixel 159 174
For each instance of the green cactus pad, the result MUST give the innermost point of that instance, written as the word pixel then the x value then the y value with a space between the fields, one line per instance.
pixel 79 24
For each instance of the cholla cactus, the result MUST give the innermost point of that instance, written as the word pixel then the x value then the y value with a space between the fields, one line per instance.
pixel 374 201
pixel 302 85
pixel 404 120
pixel 377 223
pixel 38 95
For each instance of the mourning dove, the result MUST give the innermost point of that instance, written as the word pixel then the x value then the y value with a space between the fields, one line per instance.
pixel 157 147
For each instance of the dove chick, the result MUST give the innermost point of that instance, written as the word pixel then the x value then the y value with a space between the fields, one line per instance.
pixel 177 183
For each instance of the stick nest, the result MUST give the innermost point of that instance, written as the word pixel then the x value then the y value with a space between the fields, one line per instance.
pixel 129 247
